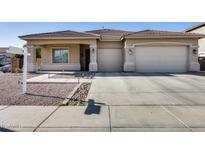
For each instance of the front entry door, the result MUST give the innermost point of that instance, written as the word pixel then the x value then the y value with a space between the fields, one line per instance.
pixel 85 59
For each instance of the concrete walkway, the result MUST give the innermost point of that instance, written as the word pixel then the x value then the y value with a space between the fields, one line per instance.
pixel 47 78
pixel 40 78
pixel 102 118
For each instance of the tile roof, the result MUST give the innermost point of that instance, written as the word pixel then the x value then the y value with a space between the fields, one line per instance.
pixel 109 33
pixel 162 34
pixel 61 34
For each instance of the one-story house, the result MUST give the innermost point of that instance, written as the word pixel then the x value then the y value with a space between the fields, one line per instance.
pixel 109 50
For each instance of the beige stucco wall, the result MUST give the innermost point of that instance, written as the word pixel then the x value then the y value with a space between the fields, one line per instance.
pixel 133 41
pixel 109 44
pixel 61 41
pixel 74 53
pixel 200 30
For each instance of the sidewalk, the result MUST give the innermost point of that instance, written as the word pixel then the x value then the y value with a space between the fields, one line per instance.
pixel 102 118
pixel 53 118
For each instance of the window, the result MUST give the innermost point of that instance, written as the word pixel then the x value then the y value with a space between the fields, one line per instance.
pixel 38 53
pixel 60 55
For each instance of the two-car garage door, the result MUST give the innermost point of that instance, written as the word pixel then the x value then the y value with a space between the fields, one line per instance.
pixel 149 58
pixel 161 58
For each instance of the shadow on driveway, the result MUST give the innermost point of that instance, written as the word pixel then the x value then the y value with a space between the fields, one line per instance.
pixel 5 130
pixel 142 74
pixel 93 107
pixel 131 74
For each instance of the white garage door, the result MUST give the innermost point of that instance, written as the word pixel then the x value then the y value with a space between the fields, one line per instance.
pixel 161 58
pixel 109 60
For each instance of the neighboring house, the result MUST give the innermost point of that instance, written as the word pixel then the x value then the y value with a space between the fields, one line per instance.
pixel 108 50
pixel 3 50
pixel 5 58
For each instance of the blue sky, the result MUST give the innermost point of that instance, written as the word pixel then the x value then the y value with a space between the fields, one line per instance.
pixel 9 32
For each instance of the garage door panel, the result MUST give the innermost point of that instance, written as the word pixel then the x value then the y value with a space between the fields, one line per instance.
pixel 161 59
pixel 109 60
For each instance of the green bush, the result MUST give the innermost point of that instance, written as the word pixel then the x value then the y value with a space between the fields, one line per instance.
pixel 18 56
pixel 38 52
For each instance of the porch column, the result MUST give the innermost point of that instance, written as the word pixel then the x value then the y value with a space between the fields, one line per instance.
pixel 31 59
pixel 129 59
pixel 193 58
pixel 93 66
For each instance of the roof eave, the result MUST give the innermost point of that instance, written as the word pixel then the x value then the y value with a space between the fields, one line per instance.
pixel 190 37
pixel 54 38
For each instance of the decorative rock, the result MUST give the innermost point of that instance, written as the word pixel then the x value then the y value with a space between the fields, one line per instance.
pixel 80 95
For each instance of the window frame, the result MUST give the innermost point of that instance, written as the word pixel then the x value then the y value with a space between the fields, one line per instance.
pixel 60 48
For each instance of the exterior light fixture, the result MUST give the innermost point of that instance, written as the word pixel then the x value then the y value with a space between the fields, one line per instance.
pixel 93 51
pixel 130 51
pixel 194 51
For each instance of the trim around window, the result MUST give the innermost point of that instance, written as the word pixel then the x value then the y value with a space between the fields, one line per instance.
pixel 60 55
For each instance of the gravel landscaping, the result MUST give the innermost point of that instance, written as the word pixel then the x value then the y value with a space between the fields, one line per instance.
pixel 80 95
pixel 37 94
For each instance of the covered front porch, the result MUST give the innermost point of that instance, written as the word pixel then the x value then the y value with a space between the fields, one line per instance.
pixel 62 55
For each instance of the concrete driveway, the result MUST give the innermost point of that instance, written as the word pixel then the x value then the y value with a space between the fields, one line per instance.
pixel 152 101
pixel 148 89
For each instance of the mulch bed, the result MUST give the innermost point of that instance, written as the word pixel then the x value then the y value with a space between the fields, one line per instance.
pixel 37 94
